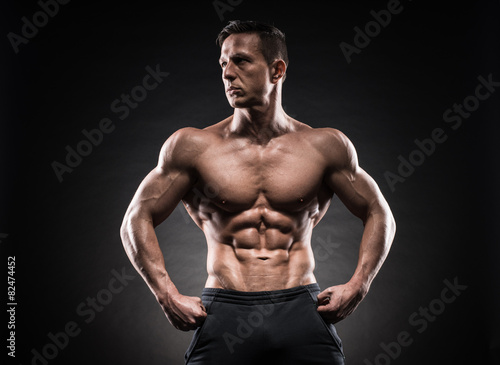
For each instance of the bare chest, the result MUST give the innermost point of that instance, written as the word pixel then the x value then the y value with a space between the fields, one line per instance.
pixel 287 175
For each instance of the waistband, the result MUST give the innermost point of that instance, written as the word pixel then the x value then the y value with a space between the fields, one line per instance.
pixel 258 297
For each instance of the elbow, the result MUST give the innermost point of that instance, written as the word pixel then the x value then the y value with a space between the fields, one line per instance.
pixel 391 224
pixel 126 228
pixel 127 237
pixel 133 226
pixel 382 214
pixel 123 229
pixel 125 224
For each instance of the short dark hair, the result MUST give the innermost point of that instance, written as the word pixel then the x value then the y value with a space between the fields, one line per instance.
pixel 272 39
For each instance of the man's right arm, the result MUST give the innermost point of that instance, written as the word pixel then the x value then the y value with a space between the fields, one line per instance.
pixel 155 199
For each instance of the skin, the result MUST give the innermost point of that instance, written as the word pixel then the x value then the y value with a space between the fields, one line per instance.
pixel 256 184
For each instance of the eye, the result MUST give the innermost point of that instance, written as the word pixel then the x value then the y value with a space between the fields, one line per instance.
pixel 223 64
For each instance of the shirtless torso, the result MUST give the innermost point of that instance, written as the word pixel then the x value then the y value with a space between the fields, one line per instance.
pixel 256 184
pixel 257 204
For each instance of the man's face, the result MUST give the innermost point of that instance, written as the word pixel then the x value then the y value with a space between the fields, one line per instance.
pixel 245 72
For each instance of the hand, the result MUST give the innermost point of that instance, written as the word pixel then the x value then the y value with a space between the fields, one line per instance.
pixel 337 302
pixel 183 312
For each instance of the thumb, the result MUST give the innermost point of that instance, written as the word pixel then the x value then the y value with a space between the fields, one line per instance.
pixel 323 298
pixel 201 306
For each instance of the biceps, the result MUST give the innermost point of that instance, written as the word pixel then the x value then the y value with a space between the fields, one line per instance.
pixel 357 190
pixel 159 193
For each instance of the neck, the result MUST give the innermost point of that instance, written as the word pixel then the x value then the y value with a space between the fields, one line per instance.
pixel 261 123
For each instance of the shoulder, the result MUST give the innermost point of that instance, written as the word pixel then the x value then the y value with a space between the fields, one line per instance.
pixel 333 149
pixel 328 136
pixel 187 137
pixel 185 146
pixel 332 144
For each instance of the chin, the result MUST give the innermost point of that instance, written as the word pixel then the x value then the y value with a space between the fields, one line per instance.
pixel 241 103
pixel 237 103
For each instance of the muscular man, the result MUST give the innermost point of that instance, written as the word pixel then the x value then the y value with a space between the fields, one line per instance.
pixel 256 184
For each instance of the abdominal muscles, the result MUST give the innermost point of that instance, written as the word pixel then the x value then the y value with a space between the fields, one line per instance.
pixel 268 252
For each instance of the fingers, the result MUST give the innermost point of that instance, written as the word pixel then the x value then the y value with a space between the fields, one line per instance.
pixel 186 313
pixel 323 295
pixel 329 307
pixel 196 316
pixel 190 323
pixel 324 307
pixel 201 317
pixel 324 298
pixel 331 313
pixel 324 302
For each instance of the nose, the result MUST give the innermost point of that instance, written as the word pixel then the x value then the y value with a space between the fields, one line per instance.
pixel 228 72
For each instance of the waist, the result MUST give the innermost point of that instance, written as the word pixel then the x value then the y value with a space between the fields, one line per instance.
pixel 258 297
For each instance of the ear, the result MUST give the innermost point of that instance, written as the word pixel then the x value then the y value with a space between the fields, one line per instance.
pixel 278 71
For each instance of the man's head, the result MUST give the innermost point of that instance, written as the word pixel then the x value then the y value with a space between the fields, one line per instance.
pixel 273 44
pixel 253 60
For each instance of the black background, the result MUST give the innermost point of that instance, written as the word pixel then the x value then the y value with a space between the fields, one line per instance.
pixel 65 235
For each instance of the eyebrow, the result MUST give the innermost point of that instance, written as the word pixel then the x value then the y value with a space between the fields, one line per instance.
pixel 237 55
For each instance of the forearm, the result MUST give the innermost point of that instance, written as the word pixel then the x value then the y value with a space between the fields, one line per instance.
pixel 375 244
pixel 142 248
pixel 141 245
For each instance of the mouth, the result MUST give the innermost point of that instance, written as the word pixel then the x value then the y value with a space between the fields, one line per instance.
pixel 233 90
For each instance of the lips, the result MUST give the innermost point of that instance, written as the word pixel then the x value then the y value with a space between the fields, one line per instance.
pixel 233 89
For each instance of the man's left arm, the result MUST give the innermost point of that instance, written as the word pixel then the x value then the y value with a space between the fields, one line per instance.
pixel 361 195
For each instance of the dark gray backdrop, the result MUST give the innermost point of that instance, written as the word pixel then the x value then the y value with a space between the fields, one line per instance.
pixel 65 234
